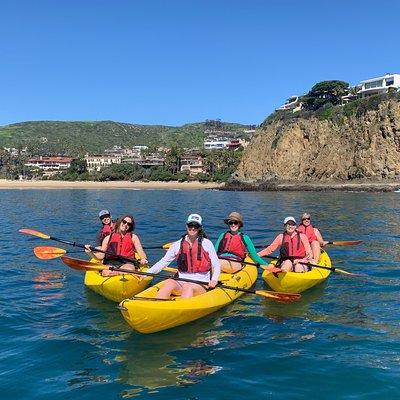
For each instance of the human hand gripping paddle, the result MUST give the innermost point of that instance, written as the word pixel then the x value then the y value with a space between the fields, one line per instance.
pixel 89 266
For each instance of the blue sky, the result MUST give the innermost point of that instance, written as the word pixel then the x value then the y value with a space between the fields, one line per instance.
pixel 173 62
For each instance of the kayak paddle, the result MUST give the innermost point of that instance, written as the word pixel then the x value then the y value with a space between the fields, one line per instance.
pixel 48 253
pixel 333 269
pixel 346 242
pixel 44 236
pixel 89 266
pixel 334 243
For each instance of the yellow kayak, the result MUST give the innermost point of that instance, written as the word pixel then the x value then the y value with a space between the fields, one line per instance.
pixel 296 282
pixel 146 314
pixel 116 288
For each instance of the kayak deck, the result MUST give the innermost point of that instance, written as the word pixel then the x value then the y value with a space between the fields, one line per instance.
pixel 116 288
pixel 146 314
pixel 297 282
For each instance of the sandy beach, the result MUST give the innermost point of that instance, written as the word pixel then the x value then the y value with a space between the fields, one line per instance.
pixel 9 184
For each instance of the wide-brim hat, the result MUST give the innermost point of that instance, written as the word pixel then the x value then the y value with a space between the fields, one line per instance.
pixel 234 216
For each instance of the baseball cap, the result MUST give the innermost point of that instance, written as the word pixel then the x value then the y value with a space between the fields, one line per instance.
pixel 194 218
pixel 287 219
pixel 104 212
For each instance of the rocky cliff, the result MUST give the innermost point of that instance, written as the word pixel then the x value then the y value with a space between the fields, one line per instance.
pixel 363 144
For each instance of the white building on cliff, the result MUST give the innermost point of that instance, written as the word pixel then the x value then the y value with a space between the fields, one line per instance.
pixel 379 85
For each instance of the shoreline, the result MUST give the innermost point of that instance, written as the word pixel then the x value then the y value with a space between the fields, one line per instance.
pixel 152 185
pixel 315 187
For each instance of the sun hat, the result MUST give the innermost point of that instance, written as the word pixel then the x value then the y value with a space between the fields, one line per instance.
pixel 287 219
pixel 194 218
pixel 234 216
pixel 104 212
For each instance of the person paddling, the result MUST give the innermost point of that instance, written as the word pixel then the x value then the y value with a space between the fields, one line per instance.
pixel 122 242
pixel 106 228
pixel 196 260
pixel 235 245
pixel 294 248
pixel 313 235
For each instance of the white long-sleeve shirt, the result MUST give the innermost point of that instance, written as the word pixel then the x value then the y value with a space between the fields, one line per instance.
pixel 172 252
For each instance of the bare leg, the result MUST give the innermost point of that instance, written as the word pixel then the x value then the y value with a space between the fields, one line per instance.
pixel 230 266
pixel 167 288
pixel 192 289
pixel 127 266
pixel 300 268
pixel 287 266
pixel 316 250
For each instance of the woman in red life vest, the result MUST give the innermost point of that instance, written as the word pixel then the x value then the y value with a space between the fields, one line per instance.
pixel 121 242
pixel 106 228
pixel 313 235
pixel 196 260
pixel 235 245
pixel 294 248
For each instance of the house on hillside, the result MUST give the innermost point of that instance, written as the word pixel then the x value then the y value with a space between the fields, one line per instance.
pixel 192 164
pixel 96 162
pixel 49 163
pixel 292 104
pixel 379 85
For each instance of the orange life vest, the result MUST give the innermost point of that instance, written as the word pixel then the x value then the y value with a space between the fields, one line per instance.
pixel 193 259
pixel 120 246
pixel 292 247
pixel 232 244
pixel 308 231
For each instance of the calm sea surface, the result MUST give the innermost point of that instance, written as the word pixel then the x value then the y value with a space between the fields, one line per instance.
pixel 60 341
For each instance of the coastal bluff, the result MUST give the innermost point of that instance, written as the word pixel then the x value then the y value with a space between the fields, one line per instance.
pixel 354 144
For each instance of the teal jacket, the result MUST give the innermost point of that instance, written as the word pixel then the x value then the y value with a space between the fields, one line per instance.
pixel 251 250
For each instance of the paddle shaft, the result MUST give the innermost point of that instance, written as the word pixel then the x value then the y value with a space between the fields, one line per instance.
pixel 81 264
pixel 333 269
pixel 126 259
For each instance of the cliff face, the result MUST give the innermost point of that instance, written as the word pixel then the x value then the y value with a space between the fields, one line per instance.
pixel 310 150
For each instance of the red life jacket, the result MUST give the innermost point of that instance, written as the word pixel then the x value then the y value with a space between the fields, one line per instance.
pixel 291 247
pixel 193 259
pixel 233 244
pixel 120 246
pixel 308 231
pixel 103 232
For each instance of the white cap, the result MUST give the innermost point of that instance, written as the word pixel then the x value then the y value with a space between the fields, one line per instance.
pixel 287 219
pixel 194 218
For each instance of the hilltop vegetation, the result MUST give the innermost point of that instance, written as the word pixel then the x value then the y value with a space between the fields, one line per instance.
pixel 78 138
pixel 324 103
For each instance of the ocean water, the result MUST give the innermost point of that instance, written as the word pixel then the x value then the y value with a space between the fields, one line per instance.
pixel 61 341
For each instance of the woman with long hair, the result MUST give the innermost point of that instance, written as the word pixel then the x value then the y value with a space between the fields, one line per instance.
pixel 122 242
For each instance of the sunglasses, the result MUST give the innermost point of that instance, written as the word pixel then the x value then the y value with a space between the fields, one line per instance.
pixel 195 226
pixel 233 223
pixel 291 223
pixel 306 219
pixel 126 222
pixel 105 216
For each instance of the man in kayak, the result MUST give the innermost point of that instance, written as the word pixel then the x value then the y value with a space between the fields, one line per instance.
pixel 196 260
pixel 122 242
pixel 294 248
pixel 235 245
pixel 106 228
pixel 313 235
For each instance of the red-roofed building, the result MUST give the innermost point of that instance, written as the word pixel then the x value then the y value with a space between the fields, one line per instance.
pixel 49 163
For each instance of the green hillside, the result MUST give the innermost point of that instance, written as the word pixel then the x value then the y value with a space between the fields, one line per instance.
pixel 78 138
